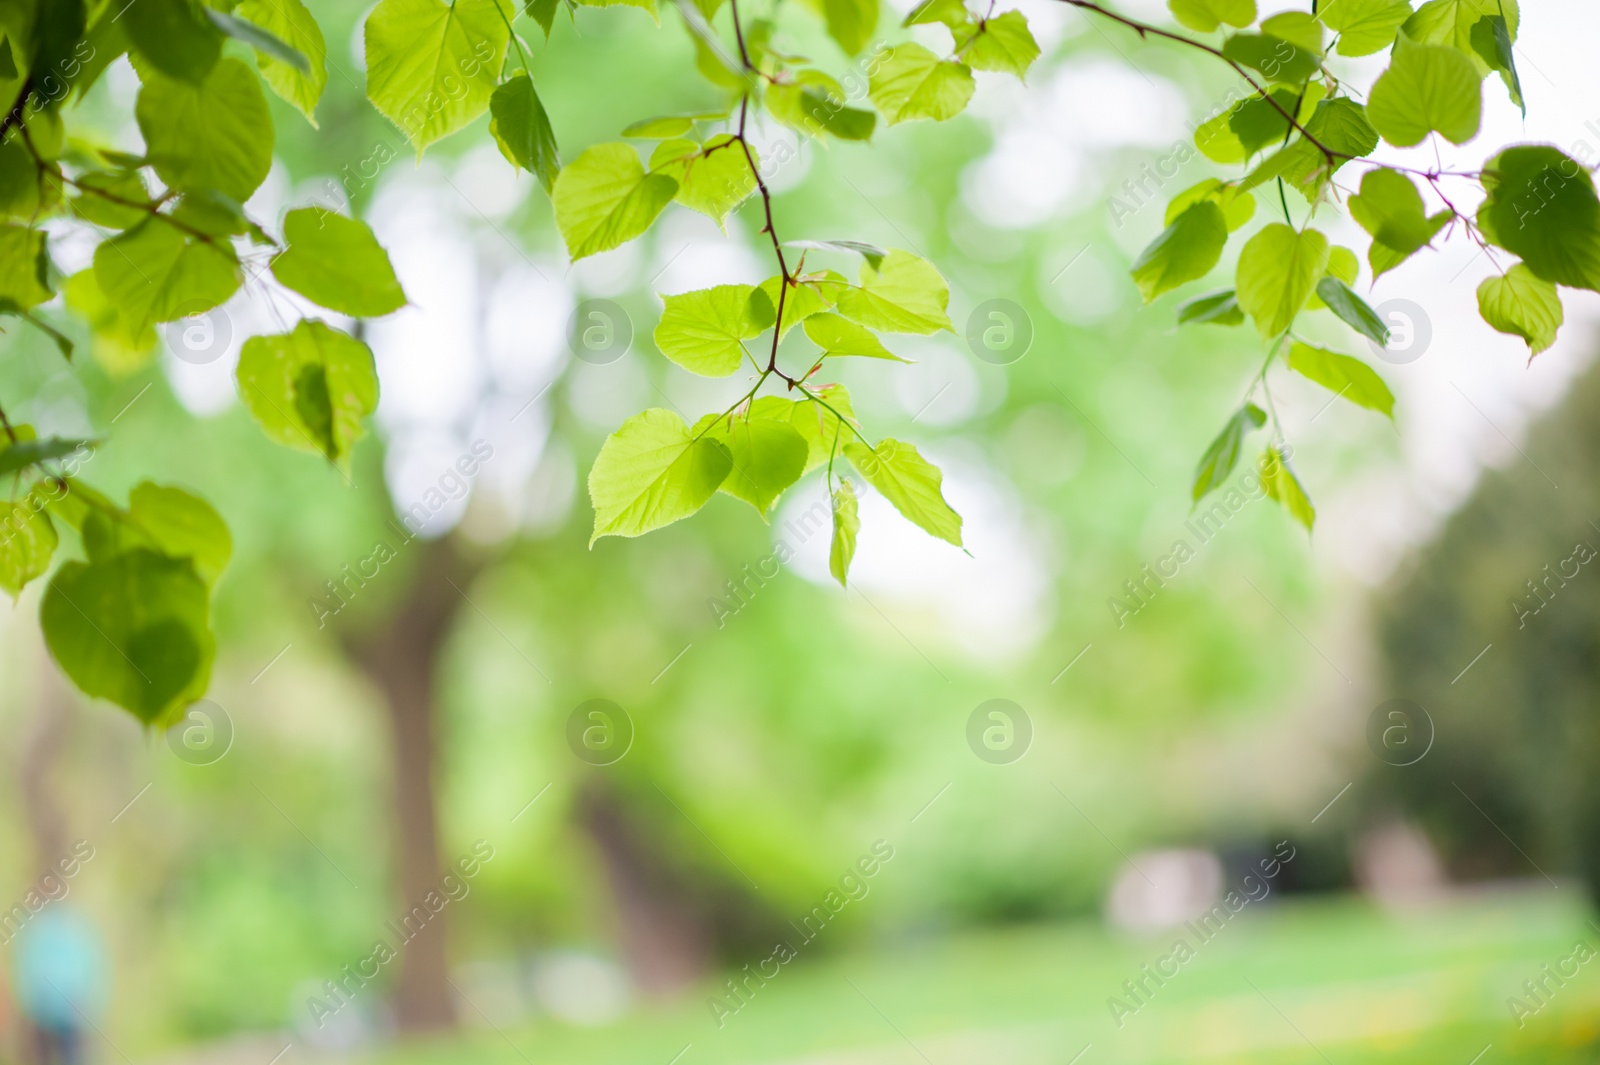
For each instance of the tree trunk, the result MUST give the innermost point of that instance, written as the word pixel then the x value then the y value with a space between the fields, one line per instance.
pixel 402 659
pixel 667 937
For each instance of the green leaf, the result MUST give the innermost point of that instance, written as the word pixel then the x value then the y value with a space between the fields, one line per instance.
pixel 261 40
pixel 117 346
pixel 174 36
pixel 1281 484
pixel 337 262
pixel 520 126
pixel 1390 209
pixel 870 252
pixel 1278 270
pixel 1353 310
pixel 846 525
pixel 1262 121
pixel 1542 207
pixel 1205 16
pixel 604 199
pixel 704 331
pixel 156 273
pixel 911 82
pixel 767 455
pixel 802 299
pixel 1237 206
pixel 544 13
pixel 1491 42
pixel 953 13
pixel 656 129
pixel 1427 89
pixel 1524 305
pixel 1222 455
pixel 290 21
pixel 25 453
pixel 651 472
pixel 27 543
pixel 1343 375
pixel 311 389
pixel 432 66
pixel 23 266
pixel 127 185
pixel 910 482
pixel 713 178
pixel 182 525
pixel 903 295
pixel 133 629
pixel 1219 308
pixel 851 22
pixel 1365 27
pixel 819 421
pixel 1277 59
pixel 814 104
pixel 1451 22
pixel 1003 43
pixel 1185 251
pixel 837 336
pixel 213 135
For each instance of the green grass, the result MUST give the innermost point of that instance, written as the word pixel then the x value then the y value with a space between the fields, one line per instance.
pixel 1320 983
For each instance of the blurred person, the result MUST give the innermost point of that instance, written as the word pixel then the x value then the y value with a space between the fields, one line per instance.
pixel 60 984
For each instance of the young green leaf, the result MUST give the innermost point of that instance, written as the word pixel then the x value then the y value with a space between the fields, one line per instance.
pixel 116 346
pixel 173 35
pixel 157 273
pixel 521 128
pixel 336 262
pixel 1427 89
pixel 604 199
pixel 658 129
pixel 652 472
pixel 838 336
pixel 910 482
pixel 1003 43
pixel 182 525
pixel 1491 42
pixel 432 66
pixel 262 40
pixel 1238 207
pixel 134 629
pixel 1278 270
pixel 1299 28
pixel 903 295
pixel 311 389
pixel 1365 26
pixel 290 21
pixel 1185 251
pixel 870 252
pixel 953 13
pixel 704 331
pixel 768 455
pixel 1205 16
pixel 27 542
pixel 1281 484
pixel 1542 207
pixel 1222 455
pixel 713 178
pixel 851 22
pixel 1219 308
pixel 23 267
pixel 544 13
pixel 846 525
pixel 1277 59
pixel 213 135
pixel 819 421
pixel 1451 22
pixel 1523 305
pixel 1347 377
pixel 814 104
pixel 1390 208
pixel 1354 311
pixel 802 299
pixel 911 82
pixel 26 453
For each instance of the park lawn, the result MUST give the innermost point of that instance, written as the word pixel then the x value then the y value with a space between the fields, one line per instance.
pixel 1331 981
